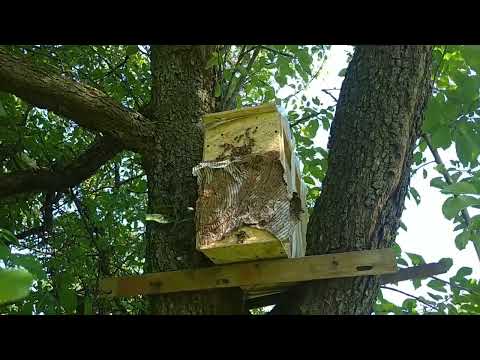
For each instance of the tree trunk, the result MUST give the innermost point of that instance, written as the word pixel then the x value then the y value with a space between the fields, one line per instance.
pixel 376 125
pixel 182 91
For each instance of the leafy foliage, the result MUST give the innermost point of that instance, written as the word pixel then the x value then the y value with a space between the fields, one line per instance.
pixel 68 240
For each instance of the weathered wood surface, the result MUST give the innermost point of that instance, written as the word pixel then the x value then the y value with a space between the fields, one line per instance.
pixel 279 271
pixel 245 244
pixel 251 202
pixel 273 295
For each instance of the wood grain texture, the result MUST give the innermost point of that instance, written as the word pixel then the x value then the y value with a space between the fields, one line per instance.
pixel 281 271
pixel 246 244
pixel 251 202
pixel 216 118
pixel 265 296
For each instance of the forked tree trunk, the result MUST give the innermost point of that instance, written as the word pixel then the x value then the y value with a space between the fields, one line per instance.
pixel 182 92
pixel 377 123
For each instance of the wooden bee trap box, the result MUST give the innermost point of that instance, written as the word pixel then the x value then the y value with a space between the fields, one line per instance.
pixel 251 202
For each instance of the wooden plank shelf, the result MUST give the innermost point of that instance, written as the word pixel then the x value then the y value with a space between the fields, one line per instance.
pixel 258 278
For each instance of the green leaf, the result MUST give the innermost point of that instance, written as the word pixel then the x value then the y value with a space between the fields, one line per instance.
pixel 459 188
pixel 467 143
pixel 474 223
pixel 415 195
pixel 471 54
pixel 31 264
pixel 460 226
pixel 448 262
pixel 8 237
pixel 2 110
pixel 305 60
pixel 317 172
pixel 416 259
pixel 309 180
pixel 88 306
pixel 14 284
pixel 281 79
pixel 409 304
pixel 435 296
pixel 463 272
pixel 416 283
pixel 453 205
pixel 342 72
pixel 425 174
pixel 437 285
pixel 213 61
pixel 311 129
pixel 438 183
pixel 131 50
pixel 4 251
pixel 441 137
pixel 418 158
pixel 401 261
pixel 462 239
pixel 397 249
pixel 434 115
pixel 452 310
pixel 27 308
pixel 403 226
pixel 68 299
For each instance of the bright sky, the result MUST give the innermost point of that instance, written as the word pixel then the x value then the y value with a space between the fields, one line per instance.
pixel 429 234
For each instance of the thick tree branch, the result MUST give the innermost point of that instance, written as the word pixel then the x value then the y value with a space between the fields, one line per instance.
pixel 83 104
pixel 80 169
pixel 415 272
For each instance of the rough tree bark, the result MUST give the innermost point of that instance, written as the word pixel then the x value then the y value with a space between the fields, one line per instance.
pixel 84 166
pixel 376 125
pixel 373 134
pixel 83 104
pixel 182 91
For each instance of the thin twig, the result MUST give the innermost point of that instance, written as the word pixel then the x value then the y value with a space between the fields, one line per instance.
pixel 449 180
pixel 411 296
pixel 455 285
pixel 305 118
pixel 278 52
pixel 240 80
pixel 328 93
pixel 306 85
pixel 423 165
pixel 241 54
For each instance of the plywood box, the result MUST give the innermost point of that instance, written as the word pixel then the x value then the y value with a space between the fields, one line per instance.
pixel 251 201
